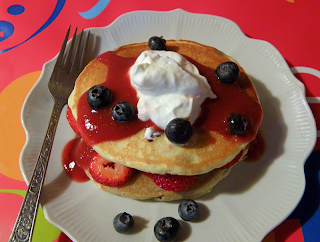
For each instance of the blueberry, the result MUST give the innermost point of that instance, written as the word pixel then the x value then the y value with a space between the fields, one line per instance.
pixel 99 97
pixel 227 72
pixel 157 43
pixel 123 112
pixel 237 123
pixel 178 130
pixel 123 222
pixel 188 210
pixel 167 229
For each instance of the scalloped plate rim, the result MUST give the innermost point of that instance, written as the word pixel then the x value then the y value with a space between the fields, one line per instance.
pixel 235 27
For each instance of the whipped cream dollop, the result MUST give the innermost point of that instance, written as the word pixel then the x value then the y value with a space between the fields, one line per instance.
pixel 168 87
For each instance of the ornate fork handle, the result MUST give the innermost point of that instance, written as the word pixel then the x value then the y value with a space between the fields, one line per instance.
pixel 24 225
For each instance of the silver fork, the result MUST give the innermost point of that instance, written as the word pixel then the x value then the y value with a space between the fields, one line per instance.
pixel 67 68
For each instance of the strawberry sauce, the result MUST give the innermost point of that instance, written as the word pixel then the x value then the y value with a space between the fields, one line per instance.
pixel 231 98
pixel 97 126
pixel 257 148
pixel 76 156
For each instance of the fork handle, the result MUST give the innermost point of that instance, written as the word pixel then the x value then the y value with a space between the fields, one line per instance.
pixel 23 228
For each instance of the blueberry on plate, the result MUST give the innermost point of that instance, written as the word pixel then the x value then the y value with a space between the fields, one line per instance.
pixel 99 96
pixel 157 43
pixel 237 123
pixel 123 222
pixel 123 112
pixel 227 72
pixel 188 210
pixel 167 229
pixel 178 131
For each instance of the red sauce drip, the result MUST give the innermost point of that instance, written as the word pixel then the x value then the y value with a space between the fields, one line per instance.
pixel 257 148
pixel 76 156
pixel 233 162
pixel 98 125
pixel 71 167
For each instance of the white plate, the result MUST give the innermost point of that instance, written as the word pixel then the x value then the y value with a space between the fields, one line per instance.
pixel 245 206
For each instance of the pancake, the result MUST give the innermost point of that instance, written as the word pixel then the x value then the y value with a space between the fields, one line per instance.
pixel 205 151
pixel 141 187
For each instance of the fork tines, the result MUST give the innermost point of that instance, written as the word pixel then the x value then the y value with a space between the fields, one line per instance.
pixel 74 60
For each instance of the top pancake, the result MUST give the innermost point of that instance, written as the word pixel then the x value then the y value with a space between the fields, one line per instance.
pixel 204 152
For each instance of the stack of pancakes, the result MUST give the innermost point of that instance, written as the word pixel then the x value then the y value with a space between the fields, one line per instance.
pixel 203 155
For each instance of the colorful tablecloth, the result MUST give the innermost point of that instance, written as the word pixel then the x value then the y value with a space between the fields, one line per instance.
pixel 31 33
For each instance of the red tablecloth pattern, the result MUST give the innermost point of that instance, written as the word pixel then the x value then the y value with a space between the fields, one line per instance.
pixel 31 33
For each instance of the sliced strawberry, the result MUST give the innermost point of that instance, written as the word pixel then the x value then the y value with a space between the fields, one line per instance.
pixel 174 183
pixel 109 173
pixel 231 163
pixel 72 121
